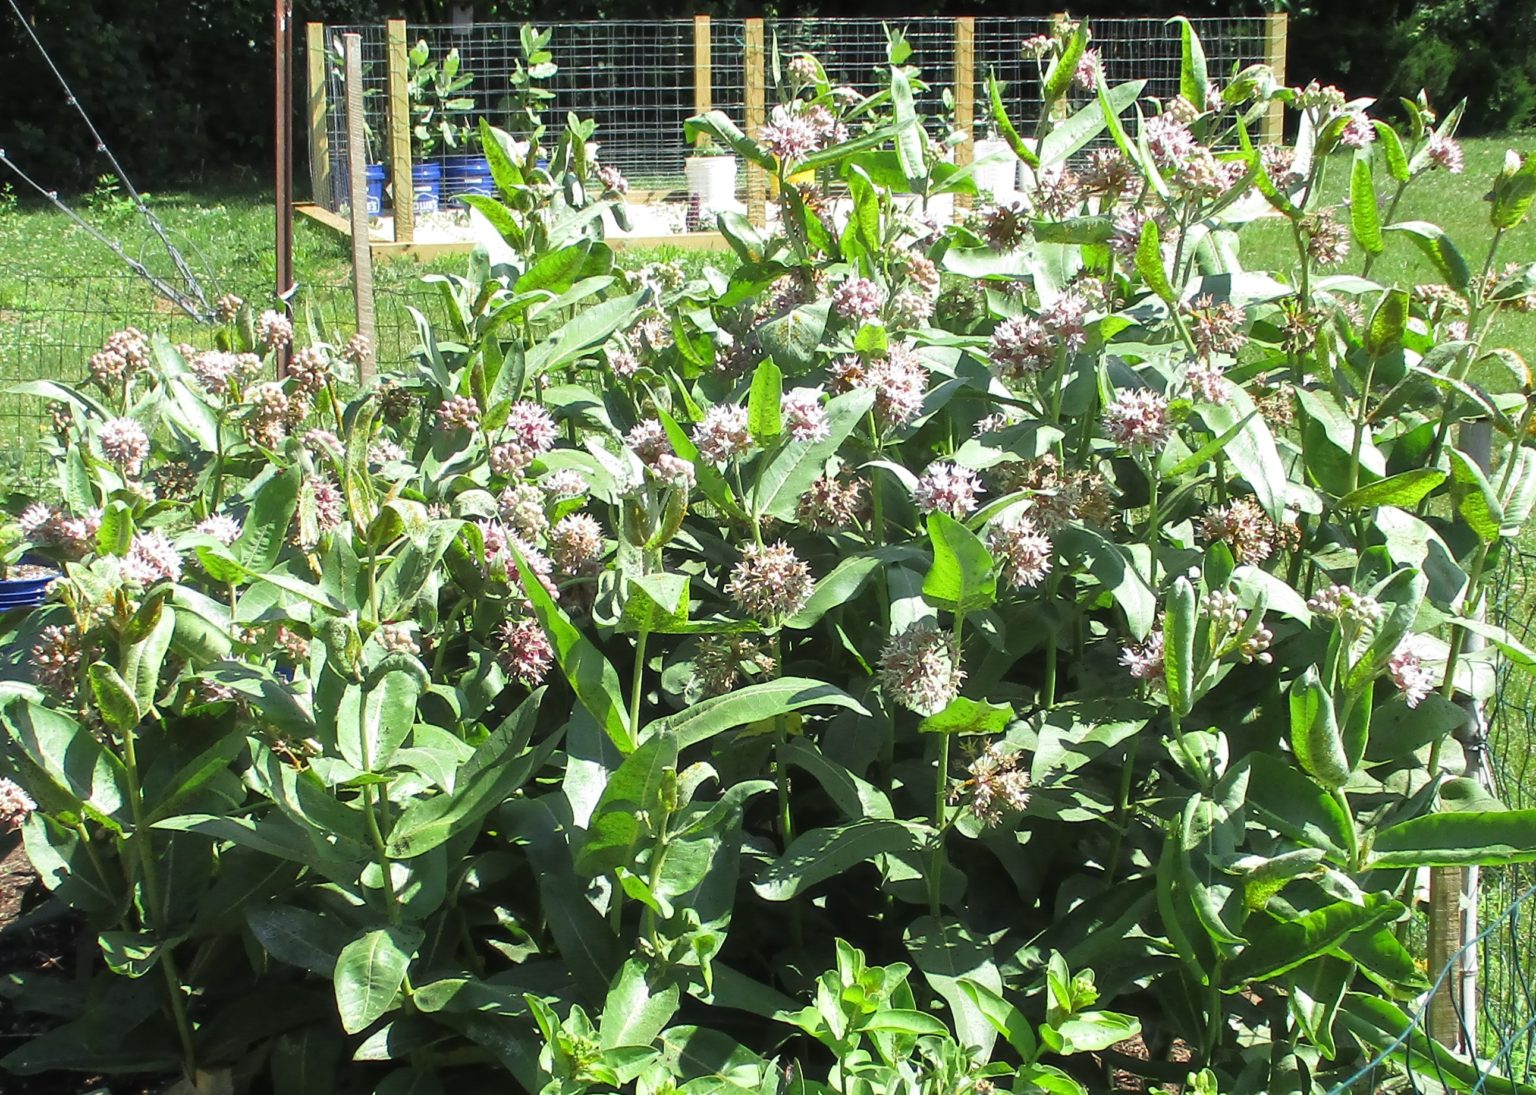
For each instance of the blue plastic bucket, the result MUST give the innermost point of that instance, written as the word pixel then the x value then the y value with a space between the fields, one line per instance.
pixel 427 184
pixel 467 175
pixel 374 179
pixel 373 175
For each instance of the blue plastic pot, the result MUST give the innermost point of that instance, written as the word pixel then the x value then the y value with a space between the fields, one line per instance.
pixel 427 185
pixel 464 175
pixel 373 179
pixel 373 174
pixel 24 592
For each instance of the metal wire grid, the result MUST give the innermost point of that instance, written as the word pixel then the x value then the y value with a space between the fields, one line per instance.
pixel 374 54
pixel 636 78
pixel 51 324
pixel 1504 949
pixel 1130 49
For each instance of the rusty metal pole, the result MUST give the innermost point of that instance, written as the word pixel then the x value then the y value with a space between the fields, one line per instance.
pixel 283 163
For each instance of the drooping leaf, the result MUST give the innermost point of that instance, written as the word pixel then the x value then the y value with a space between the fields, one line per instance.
pixel 963 577
pixel 1460 839
pixel 590 675
pixel 821 854
pixel 948 954
pixel 1285 944
pixel 369 972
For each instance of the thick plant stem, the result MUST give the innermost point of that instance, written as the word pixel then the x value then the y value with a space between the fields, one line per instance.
pixel 371 817
pixel 1122 811
pixel 637 680
pixel 941 793
pixel 153 907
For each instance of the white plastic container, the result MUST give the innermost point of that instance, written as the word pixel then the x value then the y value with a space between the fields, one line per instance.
pixel 712 181
pixel 996 178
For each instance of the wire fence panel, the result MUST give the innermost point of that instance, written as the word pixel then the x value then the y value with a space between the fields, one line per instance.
pixel 638 81
pixel 50 325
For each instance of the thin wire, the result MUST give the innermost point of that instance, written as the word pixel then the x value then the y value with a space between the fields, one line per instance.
pixel 197 309
pixel 193 286
pixel 1417 1019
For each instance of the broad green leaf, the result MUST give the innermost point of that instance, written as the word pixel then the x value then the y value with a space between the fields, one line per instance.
pixel 837 588
pixel 497 768
pixel 821 854
pixel 791 339
pixel 1389 322
pixel 636 1011
pixel 963 577
pixel 965 716
pixel 798 463
pixel 1194 77
pixel 1404 490
pixel 1149 262
pixel 1438 248
pixel 764 417
pixel 1089 1032
pixel 1179 646
pixel 590 675
pixel 1487 838
pixel 1295 807
pixel 656 603
pixel 266 526
pixel 1384 1028
pixel 369 972
pixel 1479 506
pixel 1513 191
pixel 1316 989
pixel 1315 736
pixel 589 329
pixel 752 704
pixel 717 125
pixel 113 700
pixel 1520 495
pixel 948 955
pixel 855 797
pixel 1108 563
pixel 388 710
pixel 1251 450
pixel 909 133
pixel 1364 217
pixel 1006 1019
pixel 1283 945
pixel 1392 149
pixel 1068 137
pixel 298 936
pixel 71 756
pixel 630 811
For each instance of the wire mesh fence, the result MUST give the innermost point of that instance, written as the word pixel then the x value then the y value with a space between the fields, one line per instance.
pixel 641 80
pixel 50 325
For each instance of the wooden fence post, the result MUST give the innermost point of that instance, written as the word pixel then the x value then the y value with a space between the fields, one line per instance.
pixel 1276 29
pixel 357 185
pixel 703 77
pixel 319 109
pixel 399 107
pixel 757 182
pixel 965 95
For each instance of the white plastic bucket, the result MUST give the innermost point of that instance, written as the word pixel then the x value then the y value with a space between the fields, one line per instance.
pixel 711 180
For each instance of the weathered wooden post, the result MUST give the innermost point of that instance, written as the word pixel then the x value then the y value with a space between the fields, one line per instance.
pixel 757 182
pixel 357 186
pixel 399 106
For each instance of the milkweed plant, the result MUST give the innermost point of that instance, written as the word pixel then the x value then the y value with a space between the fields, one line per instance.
pixel 907 655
